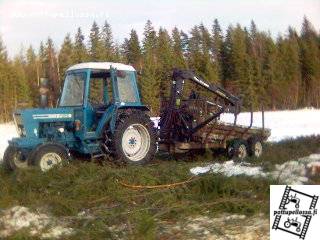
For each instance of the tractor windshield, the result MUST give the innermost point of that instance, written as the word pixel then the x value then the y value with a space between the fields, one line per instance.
pixel 73 90
pixel 126 86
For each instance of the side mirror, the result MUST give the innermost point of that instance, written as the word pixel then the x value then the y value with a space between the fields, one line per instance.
pixel 139 72
pixel 44 89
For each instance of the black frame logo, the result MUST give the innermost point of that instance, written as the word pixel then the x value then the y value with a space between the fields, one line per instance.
pixel 295 212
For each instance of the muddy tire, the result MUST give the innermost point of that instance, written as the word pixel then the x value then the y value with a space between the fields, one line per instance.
pixel 255 147
pixel 49 155
pixel 237 150
pixel 13 159
pixel 134 139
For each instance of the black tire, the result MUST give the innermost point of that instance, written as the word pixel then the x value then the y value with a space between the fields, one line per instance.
pixel 255 147
pixel 237 150
pixel 287 224
pixel 140 122
pixel 13 159
pixel 48 155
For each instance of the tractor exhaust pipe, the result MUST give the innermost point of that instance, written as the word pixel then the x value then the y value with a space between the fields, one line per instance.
pixel 44 89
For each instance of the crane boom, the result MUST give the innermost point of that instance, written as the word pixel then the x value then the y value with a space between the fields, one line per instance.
pixel 179 76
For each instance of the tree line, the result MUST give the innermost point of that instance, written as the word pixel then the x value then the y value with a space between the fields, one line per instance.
pixel 281 73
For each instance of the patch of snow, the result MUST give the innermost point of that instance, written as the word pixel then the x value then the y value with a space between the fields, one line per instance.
pixel 283 124
pixel 7 131
pixel 222 227
pixel 40 224
pixel 291 172
pixel 156 121
pixel 57 232
pixel 230 168
pixel 313 168
pixel 295 172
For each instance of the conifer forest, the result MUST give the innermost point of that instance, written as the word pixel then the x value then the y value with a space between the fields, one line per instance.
pixel 278 72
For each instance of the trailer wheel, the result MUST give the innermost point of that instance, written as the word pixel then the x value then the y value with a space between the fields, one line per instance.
pixel 13 159
pixel 49 155
pixel 134 140
pixel 255 147
pixel 237 150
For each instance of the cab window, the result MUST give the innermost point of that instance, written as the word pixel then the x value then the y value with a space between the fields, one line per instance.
pixel 100 91
pixel 126 87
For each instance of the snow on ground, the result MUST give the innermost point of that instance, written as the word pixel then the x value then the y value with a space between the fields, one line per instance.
pixel 221 227
pixel 38 224
pixel 291 172
pixel 230 168
pixel 7 131
pixel 283 124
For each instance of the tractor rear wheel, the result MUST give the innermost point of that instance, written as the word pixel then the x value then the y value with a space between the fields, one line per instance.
pixel 134 140
pixel 13 159
pixel 49 155
pixel 237 150
pixel 255 147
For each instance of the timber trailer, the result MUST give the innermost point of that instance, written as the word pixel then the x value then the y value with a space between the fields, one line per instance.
pixel 99 113
pixel 192 122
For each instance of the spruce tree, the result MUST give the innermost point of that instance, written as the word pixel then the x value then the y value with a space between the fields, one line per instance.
pixel 200 55
pixel 166 61
pixel 270 83
pixel 42 59
pixel 209 67
pixel 22 88
pixel 255 51
pixel 149 81
pixel 51 70
pixel 79 52
pixel 65 55
pixel 4 82
pixel 240 77
pixel 96 48
pixel 177 44
pixel 132 50
pixel 217 45
pixel 32 74
pixel 310 64
pixel 108 44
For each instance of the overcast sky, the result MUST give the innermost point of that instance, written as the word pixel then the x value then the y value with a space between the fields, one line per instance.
pixel 30 21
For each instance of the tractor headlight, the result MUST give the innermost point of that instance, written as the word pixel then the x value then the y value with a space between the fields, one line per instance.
pixel 61 130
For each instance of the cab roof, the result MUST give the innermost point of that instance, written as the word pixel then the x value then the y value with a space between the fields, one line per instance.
pixel 101 65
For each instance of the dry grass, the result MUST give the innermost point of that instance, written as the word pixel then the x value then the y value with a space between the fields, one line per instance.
pixel 110 210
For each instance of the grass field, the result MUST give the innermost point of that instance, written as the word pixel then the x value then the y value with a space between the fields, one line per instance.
pixel 92 198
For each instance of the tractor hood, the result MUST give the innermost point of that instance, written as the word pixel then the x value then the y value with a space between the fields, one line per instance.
pixel 28 121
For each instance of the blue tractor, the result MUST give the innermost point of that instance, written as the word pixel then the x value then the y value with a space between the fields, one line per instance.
pixel 99 112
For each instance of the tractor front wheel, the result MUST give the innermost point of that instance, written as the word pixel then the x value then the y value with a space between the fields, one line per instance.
pixel 13 159
pixel 49 155
pixel 134 140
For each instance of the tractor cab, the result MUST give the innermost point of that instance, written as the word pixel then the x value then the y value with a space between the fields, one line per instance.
pixel 93 89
